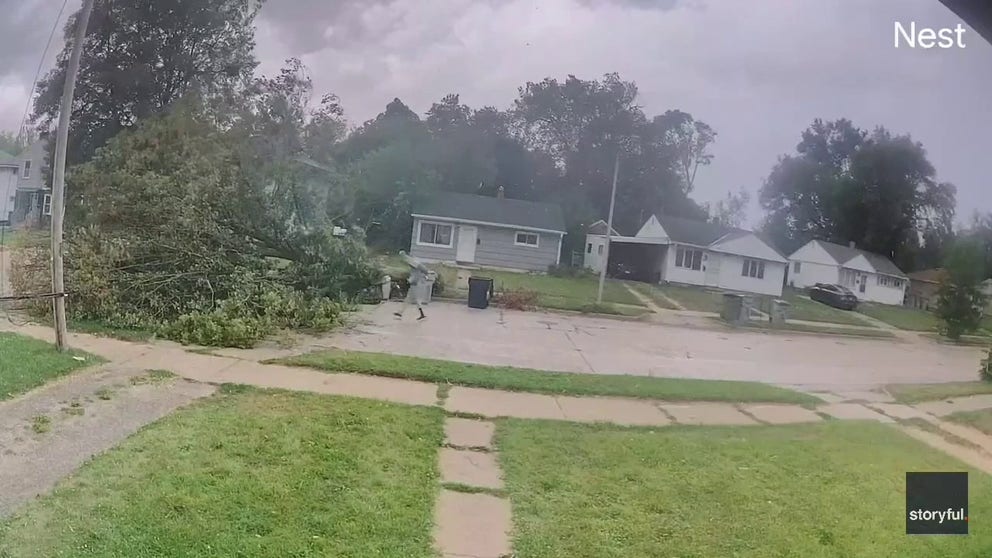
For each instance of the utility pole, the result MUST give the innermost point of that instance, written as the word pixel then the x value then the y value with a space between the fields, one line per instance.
pixel 58 179
pixel 609 230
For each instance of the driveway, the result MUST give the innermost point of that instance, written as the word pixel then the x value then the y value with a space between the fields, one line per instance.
pixel 605 346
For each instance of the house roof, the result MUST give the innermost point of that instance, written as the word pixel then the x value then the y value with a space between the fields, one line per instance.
pixel 493 211
pixel 927 275
pixel 7 158
pixel 843 254
pixel 599 227
pixel 691 231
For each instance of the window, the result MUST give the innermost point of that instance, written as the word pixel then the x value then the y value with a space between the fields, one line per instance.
pixel 753 268
pixel 27 169
pixel 886 281
pixel 525 239
pixel 589 248
pixel 435 234
pixel 689 258
pixel 600 251
pixel 46 205
pixel 797 267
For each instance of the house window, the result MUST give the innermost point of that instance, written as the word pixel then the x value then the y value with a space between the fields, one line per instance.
pixel 27 169
pixel 435 234
pixel 797 267
pixel 689 258
pixel 753 268
pixel 46 205
pixel 525 239
pixel 589 248
pixel 600 251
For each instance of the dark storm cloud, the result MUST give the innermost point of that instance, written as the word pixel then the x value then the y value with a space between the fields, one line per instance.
pixel 24 29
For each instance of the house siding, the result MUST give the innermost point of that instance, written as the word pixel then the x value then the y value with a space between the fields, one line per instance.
pixel 432 253
pixel 593 260
pixel 494 248
pixel 811 273
pixel 731 278
pixel 8 192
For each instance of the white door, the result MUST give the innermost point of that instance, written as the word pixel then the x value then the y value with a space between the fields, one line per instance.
pixel 712 263
pixel 466 243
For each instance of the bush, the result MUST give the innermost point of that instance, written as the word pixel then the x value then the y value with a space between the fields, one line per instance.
pixel 516 299
pixel 960 299
pixel 986 371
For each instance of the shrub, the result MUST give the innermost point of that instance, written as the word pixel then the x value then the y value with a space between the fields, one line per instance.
pixel 960 299
pixel 517 299
pixel 986 371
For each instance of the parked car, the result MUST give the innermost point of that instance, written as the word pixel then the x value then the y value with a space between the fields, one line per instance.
pixel 834 295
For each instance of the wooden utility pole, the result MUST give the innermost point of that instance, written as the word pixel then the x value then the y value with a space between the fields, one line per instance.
pixel 58 176
pixel 609 230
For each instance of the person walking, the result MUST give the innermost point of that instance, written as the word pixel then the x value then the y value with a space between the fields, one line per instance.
pixel 418 280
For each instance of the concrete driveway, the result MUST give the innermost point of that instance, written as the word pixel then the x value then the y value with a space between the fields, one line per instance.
pixel 605 346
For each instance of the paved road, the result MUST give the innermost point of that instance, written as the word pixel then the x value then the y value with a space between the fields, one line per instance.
pixel 606 346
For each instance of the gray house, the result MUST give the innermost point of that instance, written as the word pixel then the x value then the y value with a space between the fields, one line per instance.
pixel 24 197
pixel 487 231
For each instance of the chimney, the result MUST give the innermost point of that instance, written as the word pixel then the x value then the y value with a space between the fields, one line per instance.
pixel 499 193
pixel 851 244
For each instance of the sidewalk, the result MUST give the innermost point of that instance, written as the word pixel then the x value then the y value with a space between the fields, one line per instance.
pixel 486 403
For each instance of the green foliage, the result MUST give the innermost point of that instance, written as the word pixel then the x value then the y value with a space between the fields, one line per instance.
pixel 141 57
pixel 848 184
pixel 985 372
pixel 178 236
pixel 960 302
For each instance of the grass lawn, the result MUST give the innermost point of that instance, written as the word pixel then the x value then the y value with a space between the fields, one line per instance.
pixel 28 363
pixel 914 393
pixel 578 305
pixel 249 473
pixel 825 328
pixel 100 329
pixel 653 293
pixel 694 298
pixel 982 420
pixel 911 319
pixel 825 490
pixel 583 290
pixel 16 239
pixel 805 309
pixel 539 381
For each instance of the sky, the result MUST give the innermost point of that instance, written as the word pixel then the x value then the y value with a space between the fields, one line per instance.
pixel 757 71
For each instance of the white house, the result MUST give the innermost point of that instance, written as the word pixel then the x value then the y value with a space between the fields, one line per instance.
pixel 677 250
pixel 870 276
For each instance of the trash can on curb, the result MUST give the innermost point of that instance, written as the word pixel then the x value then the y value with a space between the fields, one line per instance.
pixel 733 307
pixel 387 286
pixel 479 289
pixel 780 312
pixel 428 287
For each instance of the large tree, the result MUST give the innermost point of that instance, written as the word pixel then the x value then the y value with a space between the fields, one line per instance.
pixel 140 57
pixel 846 184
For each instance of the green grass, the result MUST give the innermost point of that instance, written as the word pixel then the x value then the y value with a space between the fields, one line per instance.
pixel 28 363
pixel 914 393
pixel 41 424
pixel 653 293
pixel 809 310
pixel 981 420
pixel 694 298
pixel 809 328
pixel 539 381
pixel 582 289
pixel 826 490
pixel 101 329
pixel 249 473
pixel 586 307
pixel 21 238
pixel 912 319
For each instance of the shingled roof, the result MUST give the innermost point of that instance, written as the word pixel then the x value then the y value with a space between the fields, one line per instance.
pixel 843 254
pixel 495 211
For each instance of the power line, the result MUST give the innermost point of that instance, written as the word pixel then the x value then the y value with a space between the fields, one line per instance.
pixel 41 64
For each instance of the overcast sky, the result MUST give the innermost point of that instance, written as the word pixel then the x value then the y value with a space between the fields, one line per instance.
pixel 758 71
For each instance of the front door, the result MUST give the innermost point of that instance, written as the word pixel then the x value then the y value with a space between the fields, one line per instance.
pixel 467 237
pixel 712 264
pixel 863 281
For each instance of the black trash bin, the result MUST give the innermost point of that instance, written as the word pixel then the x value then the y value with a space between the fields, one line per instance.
pixel 479 290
